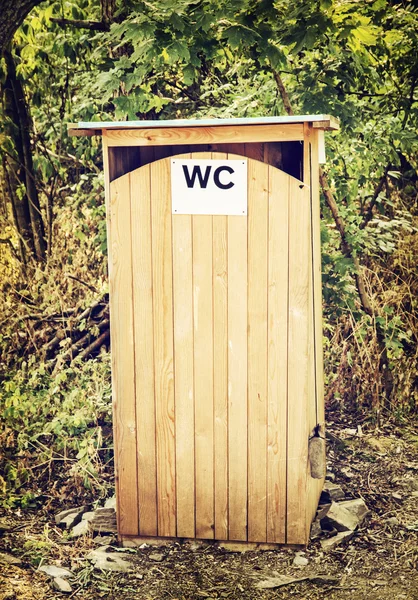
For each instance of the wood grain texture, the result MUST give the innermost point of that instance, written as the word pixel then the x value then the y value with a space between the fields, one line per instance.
pixel 123 359
pixel 317 298
pixel 203 374
pixel 258 187
pixel 220 374
pixel 216 355
pixel 311 420
pixel 184 373
pixel 140 191
pixel 237 376
pixel 220 370
pixel 278 274
pixel 299 307
pixel 163 346
pixel 226 134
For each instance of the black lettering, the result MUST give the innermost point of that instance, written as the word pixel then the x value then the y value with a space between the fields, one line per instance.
pixel 223 186
pixel 190 180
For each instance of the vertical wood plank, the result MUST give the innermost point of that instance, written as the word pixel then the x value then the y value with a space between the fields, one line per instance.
pixel 317 276
pixel 203 373
pixel 107 169
pixel 237 376
pixel 220 373
pixel 184 371
pixel 140 188
pixel 278 257
pixel 299 307
pixel 258 185
pixel 163 346
pixel 317 309
pixel 122 340
pixel 184 377
pixel 311 409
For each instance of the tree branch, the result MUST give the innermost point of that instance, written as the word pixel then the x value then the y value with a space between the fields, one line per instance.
pixel 283 92
pixel 369 213
pixel 78 24
pixel 346 248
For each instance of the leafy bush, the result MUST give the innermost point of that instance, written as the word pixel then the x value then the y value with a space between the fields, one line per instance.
pixel 56 423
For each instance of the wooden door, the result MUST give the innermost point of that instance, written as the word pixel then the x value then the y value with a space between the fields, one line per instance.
pixel 210 349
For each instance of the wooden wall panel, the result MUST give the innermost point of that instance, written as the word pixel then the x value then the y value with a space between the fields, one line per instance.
pixel 163 346
pixel 278 285
pixel 237 377
pixel 203 373
pixel 184 372
pixel 298 341
pixel 140 191
pixel 184 378
pixel 214 336
pixel 123 358
pixel 220 374
pixel 258 191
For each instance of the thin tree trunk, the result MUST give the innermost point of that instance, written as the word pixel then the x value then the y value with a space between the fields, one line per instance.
pixel 24 126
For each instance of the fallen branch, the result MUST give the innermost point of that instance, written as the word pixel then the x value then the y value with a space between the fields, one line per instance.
pixel 96 345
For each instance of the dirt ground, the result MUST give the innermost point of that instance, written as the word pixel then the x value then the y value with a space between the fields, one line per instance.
pixel 378 563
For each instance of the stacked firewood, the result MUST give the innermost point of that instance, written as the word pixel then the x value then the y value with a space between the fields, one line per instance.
pixel 79 334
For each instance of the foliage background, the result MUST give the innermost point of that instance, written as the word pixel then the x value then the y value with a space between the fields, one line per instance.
pixel 84 60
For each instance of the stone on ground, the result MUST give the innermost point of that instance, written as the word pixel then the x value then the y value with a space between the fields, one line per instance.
pixel 54 571
pixel 331 492
pixel 80 529
pixel 156 557
pixel 336 540
pixel 111 503
pixel 62 585
pixel 339 518
pixel 108 561
pixel 70 517
pixel 104 520
pixel 357 508
pixel 300 560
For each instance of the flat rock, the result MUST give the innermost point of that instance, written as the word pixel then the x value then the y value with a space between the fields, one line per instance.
pixel 300 560
pixel 70 516
pixel 88 516
pixel 111 503
pixel 108 561
pixel 80 529
pixel 104 520
pixel 9 559
pixel 339 518
pixel 332 542
pixel 104 540
pixel 357 508
pixel 62 585
pixel 156 557
pixel 331 492
pixel 54 571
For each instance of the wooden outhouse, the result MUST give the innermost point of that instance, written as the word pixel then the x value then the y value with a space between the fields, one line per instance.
pixel 216 335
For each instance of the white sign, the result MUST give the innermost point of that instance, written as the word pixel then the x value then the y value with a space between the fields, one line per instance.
pixel 208 187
